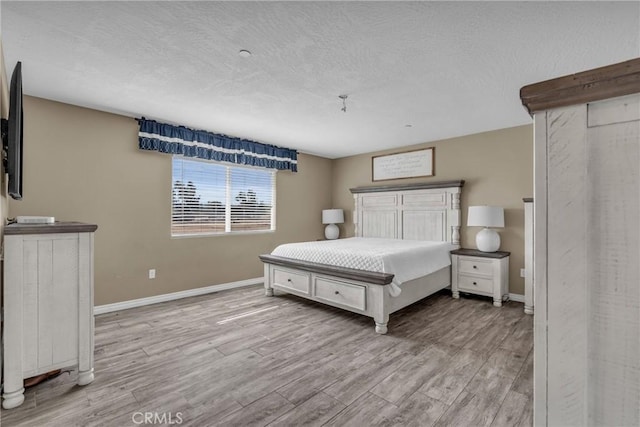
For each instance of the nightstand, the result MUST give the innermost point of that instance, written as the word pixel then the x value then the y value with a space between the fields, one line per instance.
pixel 481 273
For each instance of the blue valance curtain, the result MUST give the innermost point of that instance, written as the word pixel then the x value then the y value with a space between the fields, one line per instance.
pixel 171 139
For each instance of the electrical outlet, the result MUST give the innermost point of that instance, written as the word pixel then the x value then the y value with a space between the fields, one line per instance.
pixel 522 272
pixel 152 273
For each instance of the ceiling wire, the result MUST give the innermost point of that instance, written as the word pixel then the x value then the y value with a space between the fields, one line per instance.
pixel 344 102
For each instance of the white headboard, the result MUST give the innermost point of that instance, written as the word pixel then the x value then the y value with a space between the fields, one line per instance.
pixel 428 211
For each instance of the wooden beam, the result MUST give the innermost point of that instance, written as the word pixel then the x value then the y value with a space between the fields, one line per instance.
pixel 588 86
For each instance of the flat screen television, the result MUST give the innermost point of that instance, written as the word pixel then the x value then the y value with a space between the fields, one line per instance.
pixel 12 135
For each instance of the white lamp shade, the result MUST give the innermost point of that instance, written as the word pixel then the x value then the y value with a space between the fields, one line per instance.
pixel 485 216
pixel 332 216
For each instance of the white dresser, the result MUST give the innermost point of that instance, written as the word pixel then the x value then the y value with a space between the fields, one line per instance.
pixel 48 303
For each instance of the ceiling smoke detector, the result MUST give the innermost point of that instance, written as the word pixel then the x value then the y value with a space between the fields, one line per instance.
pixel 244 53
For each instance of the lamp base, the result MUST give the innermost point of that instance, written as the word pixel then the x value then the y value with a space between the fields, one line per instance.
pixel 331 232
pixel 488 240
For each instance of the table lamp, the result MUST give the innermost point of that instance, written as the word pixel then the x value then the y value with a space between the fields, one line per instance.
pixel 332 217
pixel 487 240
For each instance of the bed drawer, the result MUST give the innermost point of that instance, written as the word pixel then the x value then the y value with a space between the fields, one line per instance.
pixel 291 280
pixel 341 293
pixel 475 284
pixel 475 266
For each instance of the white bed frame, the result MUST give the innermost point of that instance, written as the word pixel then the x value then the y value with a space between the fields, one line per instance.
pixel 412 212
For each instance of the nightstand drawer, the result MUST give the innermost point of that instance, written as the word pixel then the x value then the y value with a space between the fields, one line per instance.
pixel 475 266
pixel 290 280
pixel 475 284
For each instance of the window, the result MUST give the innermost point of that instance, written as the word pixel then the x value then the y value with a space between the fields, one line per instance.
pixel 213 198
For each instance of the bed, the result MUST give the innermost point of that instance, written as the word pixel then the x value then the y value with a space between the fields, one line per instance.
pixel 426 216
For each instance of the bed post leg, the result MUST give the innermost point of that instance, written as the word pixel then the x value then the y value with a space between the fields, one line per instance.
pixel 381 319
pixel 268 290
pixel 380 307
pixel 381 328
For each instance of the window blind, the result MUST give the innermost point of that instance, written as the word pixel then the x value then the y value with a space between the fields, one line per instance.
pixel 213 198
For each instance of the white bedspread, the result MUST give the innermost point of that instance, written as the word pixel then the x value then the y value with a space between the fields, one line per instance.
pixel 405 259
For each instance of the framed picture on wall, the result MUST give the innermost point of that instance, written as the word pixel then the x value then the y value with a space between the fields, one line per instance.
pixel 409 164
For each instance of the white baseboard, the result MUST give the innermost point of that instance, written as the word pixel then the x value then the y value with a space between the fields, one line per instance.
pixel 124 305
pixel 516 297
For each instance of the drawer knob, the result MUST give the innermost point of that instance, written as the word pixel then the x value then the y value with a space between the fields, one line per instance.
pixel 337 292
pixel 475 266
pixel 289 280
pixel 475 283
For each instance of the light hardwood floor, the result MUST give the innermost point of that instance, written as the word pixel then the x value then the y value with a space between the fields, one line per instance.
pixel 239 358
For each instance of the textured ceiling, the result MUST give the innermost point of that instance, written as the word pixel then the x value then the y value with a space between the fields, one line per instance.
pixel 446 68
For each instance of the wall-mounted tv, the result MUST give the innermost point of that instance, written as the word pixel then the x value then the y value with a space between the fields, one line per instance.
pixel 12 135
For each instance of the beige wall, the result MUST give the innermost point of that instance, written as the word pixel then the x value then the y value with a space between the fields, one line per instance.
pixel 4 113
pixel 4 87
pixel 84 165
pixel 497 168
